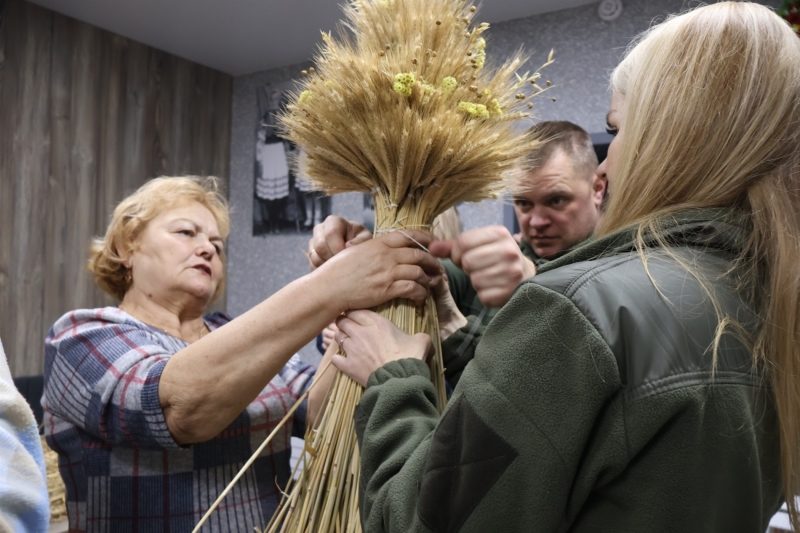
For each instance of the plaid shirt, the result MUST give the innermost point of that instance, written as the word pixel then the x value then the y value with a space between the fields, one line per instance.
pixel 122 469
pixel 24 503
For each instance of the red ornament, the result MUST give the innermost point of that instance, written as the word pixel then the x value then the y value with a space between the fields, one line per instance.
pixel 790 11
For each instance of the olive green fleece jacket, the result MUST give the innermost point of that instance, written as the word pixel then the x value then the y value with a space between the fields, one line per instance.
pixel 461 347
pixel 590 406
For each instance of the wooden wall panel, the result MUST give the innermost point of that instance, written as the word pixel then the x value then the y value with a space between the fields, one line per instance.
pixel 31 45
pixel 86 117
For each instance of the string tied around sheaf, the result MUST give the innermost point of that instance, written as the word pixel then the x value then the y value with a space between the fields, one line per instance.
pixel 400 229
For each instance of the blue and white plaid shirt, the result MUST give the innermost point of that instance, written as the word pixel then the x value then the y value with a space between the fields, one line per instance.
pixel 24 503
pixel 122 469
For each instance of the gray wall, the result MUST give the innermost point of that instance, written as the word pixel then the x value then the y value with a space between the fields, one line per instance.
pixel 586 49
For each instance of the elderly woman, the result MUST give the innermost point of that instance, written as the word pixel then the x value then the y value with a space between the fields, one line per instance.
pixel 648 380
pixel 152 406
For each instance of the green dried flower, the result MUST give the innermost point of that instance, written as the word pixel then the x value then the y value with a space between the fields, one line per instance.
pixel 305 97
pixel 449 85
pixel 475 110
pixel 404 83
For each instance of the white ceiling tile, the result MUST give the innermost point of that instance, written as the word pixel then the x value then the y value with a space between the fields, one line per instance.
pixel 244 36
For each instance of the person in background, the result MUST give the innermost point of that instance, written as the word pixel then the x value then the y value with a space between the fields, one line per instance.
pixel 153 406
pixel 24 502
pixel 648 379
pixel 557 201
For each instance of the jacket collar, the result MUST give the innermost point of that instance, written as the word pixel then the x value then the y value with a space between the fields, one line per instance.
pixel 527 251
pixel 723 229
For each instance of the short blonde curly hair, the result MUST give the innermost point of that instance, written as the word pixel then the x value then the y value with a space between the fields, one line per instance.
pixel 108 254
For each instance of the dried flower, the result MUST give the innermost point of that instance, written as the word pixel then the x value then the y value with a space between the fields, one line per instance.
pixel 449 85
pixel 475 110
pixel 404 83
pixel 494 108
pixel 305 97
pixel 480 54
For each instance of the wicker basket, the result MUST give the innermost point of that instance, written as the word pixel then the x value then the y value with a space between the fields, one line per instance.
pixel 55 486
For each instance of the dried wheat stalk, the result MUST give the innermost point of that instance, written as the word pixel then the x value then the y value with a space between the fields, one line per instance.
pixel 403 105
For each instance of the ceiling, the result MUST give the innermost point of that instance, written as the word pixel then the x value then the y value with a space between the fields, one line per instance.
pixel 244 36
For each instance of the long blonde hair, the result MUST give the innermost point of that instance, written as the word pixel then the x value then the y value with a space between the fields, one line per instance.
pixel 712 101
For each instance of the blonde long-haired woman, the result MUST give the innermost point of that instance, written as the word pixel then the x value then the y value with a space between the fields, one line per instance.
pixel 647 381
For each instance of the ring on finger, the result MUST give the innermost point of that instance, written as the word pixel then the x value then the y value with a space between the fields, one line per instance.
pixel 341 342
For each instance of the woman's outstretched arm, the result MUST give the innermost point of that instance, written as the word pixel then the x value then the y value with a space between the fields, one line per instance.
pixel 205 386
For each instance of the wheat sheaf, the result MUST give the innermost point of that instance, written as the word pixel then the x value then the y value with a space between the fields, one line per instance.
pixel 403 104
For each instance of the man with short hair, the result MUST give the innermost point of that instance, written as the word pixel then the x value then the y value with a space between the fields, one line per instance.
pixel 557 202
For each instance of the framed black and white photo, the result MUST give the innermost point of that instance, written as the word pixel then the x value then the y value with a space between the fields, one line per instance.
pixel 283 201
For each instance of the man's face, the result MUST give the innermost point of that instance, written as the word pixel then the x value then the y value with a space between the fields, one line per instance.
pixel 559 207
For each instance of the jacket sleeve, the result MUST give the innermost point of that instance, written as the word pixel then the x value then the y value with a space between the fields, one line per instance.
pixel 506 451
pixel 461 288
pixel 459 349
pixel 103 377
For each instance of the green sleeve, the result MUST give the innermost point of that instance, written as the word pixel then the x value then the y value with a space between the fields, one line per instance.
pixel 464 294
pixel 396 413
pixel 459 349
pixel 506 452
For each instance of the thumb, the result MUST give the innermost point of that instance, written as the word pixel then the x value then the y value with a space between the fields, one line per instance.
pixel 441 249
